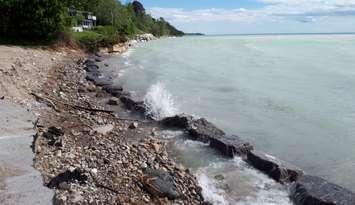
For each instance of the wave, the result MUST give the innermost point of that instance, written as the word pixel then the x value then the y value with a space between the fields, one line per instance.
pixel 232 189
pixel 210 191
pixel 159 102
pixel 229 182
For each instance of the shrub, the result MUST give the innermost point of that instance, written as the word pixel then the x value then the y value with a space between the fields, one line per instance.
pixel 34 20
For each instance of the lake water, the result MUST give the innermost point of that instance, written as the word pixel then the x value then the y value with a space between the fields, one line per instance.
pixel 292 96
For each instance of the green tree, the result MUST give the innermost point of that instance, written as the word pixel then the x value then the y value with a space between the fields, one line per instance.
pixel 31 19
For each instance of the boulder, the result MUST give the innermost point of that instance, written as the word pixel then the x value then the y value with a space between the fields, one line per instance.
pixel 89 62
pixel 160 184
pixel 276 169
pixel 113 101
pixel 98 54
pixel 113 90
pixel 133 125
pixel 177 121
pixel 102 81
pixel 202 130
pixel 230 146
pixel 132 104
pixel 68 177
pixel 92 77
pixel 310 190
pixel 92 68
pixel 53 135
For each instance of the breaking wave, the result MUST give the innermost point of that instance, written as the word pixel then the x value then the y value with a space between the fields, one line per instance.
pixel 159 102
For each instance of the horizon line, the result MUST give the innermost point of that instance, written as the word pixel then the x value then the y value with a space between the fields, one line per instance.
pixel 280 33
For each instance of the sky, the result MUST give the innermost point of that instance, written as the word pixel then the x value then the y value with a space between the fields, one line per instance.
pixel 256 16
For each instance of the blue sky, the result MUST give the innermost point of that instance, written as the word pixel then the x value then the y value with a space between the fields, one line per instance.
pixel 256 16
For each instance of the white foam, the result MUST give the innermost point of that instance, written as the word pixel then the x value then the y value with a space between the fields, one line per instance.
pixel 257 190
pixel 159 102
pixel 209 191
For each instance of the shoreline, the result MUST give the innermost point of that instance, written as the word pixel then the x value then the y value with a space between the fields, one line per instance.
pixel 88 146
pixel 303 188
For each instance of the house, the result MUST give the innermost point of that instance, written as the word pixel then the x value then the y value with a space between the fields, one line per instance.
pixel 84 20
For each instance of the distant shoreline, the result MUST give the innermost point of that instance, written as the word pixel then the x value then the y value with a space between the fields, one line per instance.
pixel 279 34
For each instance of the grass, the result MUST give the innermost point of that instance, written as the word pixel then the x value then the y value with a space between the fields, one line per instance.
pixel 101 36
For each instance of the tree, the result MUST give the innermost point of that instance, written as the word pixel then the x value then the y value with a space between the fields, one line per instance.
pixel 31 19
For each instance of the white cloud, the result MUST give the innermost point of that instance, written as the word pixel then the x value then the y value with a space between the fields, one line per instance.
pixel 274 11
pixel 181 15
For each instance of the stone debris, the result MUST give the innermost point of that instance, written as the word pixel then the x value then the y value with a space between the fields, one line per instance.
pixel 315 190
pixel 98 158
pixel 104 129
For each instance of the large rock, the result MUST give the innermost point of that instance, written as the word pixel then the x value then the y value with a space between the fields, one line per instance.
pixel 113 90
pixel 133 105
pixel 160 184
pixel 203 131
pixel 102 81
pixel 53 135
pixel 230 146
pixel 68 176
pixel 311 190
pixel 278 170
pixel 178 121
pixel 92 68
pixel 89 62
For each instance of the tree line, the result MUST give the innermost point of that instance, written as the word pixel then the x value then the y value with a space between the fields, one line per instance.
pixel 46 19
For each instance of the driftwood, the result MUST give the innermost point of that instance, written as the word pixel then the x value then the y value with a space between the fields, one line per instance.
pixel 47 101
pixel 50 102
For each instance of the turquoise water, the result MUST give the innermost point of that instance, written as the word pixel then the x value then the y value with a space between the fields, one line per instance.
pixel 291 96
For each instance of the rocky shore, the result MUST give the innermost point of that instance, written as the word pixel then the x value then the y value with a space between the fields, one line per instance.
pixel 95 145
pixel 304 189
pixel 89 155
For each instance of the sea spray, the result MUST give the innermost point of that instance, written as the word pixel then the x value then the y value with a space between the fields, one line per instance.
pixel 159 102
pixel 210 192
pixel 226 181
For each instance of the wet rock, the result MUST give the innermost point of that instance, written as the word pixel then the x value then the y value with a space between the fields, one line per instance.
pixel 89 62
pixel 68 177
pixel 203 131
pixel 92 68
pixel 310 190
pixel 230 146
pixel 140 107
pixel 52 135
pixel 113 90
pixel 132 104
pixel 274 168
pixel 160 184
pixel 102 81
pixel 178 121
pixel 219 177
pixel 113 101
pixel 92 77
pixel 133 125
